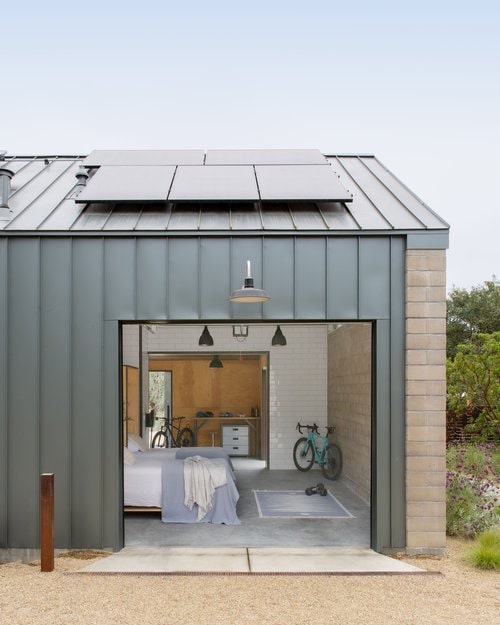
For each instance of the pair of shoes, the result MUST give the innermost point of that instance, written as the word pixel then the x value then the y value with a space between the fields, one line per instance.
pixel 320 488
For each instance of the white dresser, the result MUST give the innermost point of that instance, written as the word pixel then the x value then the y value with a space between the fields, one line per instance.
pixel 235 439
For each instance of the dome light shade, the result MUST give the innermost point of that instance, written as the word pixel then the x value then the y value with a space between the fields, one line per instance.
pixel 248 294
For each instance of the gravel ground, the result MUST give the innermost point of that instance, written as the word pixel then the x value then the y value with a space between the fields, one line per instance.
pixel 460 595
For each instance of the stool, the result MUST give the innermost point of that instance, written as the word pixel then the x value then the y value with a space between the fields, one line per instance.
pixel 213 438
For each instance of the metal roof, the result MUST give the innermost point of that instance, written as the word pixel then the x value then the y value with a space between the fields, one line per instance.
pixel 44 189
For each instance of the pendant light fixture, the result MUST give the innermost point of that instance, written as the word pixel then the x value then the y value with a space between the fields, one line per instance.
pixel 248 294
pixel 206 338
pixel 216 363
pixel 279 337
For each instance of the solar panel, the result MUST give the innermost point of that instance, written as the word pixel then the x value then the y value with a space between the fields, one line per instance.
pixel 264 157
pixel 144 157
pixel 300 182
pixel 128 184
pixel 200 183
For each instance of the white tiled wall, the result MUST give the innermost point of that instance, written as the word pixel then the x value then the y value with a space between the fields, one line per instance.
pixel 131 345
pixel 297 377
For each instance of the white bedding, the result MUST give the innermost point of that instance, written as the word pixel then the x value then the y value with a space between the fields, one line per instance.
pixel 142 480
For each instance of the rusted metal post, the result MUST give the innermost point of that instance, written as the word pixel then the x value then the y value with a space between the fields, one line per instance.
pixel 47 522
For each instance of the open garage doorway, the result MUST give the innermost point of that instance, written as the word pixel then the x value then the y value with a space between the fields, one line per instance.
pixel 322 375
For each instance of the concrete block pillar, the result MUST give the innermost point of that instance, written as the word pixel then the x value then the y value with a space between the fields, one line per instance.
pixel 425 400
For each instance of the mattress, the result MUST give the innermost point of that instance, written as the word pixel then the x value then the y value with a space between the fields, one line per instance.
pixel 142 480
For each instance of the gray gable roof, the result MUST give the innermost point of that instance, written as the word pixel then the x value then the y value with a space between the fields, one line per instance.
pixel 44 196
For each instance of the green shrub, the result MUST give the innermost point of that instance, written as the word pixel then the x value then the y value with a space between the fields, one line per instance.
pixel 472 489
pixel 473 380
pixel 486 551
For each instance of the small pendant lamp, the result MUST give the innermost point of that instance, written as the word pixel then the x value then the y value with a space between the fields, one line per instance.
pixel 206 338
pixel 278 338
pixel 216 363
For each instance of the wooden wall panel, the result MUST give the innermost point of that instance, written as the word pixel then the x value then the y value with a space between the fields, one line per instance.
pixel 195 387
pixel 130 385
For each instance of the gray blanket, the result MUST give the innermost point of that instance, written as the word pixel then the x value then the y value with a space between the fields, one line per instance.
pixel 173 509
pixel 205 452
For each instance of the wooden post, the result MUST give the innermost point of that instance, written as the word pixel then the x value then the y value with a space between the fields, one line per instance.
pixel 47 522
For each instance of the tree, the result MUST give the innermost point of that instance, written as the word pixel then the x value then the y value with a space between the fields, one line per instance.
pixel 472 312
pixel 474 384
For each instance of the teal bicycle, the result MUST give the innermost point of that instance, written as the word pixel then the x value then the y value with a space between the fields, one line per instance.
pixel 317 448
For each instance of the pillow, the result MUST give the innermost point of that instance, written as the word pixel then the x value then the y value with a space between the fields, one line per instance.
pixel 128 456
pixel 136 443
pixel 133 446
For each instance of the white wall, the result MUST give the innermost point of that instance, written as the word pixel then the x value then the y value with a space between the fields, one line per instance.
pixel 130 345
pixel 298 373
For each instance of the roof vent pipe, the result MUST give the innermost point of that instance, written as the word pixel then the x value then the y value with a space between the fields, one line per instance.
pixel 5 178
pixel 81 176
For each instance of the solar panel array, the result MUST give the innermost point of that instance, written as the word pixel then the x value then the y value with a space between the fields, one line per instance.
pixel 218 175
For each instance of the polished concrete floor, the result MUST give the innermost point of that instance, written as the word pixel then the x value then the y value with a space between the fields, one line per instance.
pixel 146 529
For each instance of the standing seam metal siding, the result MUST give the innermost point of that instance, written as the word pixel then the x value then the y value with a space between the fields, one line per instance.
pixel 62 301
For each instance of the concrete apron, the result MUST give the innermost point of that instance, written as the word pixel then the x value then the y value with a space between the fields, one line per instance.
pixel 251 560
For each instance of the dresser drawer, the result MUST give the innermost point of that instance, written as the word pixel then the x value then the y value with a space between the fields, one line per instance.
pixel 236 450
pixel 236 429
pixel 229 438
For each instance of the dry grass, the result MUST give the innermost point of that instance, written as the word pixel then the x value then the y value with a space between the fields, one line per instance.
pixel 460 595
pixel 87 554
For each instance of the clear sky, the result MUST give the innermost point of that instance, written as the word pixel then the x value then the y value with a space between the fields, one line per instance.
pixel 417 83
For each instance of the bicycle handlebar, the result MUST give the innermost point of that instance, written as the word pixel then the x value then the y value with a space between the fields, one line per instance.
pixel 329 428
pixel 312 427
pixel 169 419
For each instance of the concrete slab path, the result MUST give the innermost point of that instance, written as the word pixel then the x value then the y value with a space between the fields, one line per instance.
pixel 289 560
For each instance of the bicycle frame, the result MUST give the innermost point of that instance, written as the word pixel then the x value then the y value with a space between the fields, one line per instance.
pixel 313 437
pixel 319 450
pixel 169 428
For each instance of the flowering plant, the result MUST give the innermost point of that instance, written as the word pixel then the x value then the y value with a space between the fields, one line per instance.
pixel 472 488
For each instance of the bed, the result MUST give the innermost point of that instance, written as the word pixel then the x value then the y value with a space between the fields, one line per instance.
pixel 154 479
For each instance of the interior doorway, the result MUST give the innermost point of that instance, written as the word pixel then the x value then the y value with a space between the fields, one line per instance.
pixel 212 400
pixel 159 401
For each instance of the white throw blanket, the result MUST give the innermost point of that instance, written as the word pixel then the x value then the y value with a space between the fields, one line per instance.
pixel 201 477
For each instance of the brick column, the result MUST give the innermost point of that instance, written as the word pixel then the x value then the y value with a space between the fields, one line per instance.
pixel 425 400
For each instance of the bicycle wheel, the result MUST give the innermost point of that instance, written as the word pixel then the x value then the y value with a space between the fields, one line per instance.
pixel 185 438
pixel 159 439
pixel 303 454
pixel 332 466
